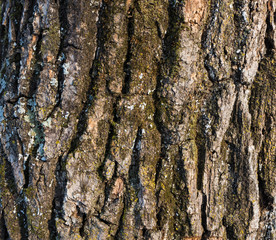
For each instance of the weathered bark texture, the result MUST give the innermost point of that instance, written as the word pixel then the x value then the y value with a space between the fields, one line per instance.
pixel 137 119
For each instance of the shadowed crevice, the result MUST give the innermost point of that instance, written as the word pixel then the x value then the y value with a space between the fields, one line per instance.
pixel 127 63
pixel 17 196
pixel 27 172
pixel 3 231
pixel 61 57
pixel 269 35
pixel 134 178
pixel 60 192
pixel 38 67
pixel 201 146
pixel 111 136
pixel 133 183
pixel 84 221
pixel 206 233
pixel 15 15
pixel 121 221
pixel 230 233
pixel 266 200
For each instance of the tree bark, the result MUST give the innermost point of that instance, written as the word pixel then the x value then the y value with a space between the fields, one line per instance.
pixel 134 119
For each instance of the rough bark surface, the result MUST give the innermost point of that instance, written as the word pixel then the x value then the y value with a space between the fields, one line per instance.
pixel 135 119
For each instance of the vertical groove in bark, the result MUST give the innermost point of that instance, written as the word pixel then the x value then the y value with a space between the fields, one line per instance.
pixel 60 174
pixel 127 67
pixel 60 58
pixel 4 231
pixel 134 179
pixel 12 201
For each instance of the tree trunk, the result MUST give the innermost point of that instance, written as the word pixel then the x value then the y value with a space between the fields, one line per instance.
pixel 135 119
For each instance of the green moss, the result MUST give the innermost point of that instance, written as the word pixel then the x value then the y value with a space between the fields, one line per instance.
pixel 36 228
pixel 53 40
pixel 30 192
pixel 261 108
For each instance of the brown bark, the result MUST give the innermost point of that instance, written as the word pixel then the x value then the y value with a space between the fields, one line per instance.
pixel 137 119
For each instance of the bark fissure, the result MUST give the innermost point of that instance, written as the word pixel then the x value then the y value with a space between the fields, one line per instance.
pixel 127 63
pixel 206 233
pixel 269 41
pixel 61 57
pixel 60 192
pixel 4 230
pixel 108 155
pixel 17 197
pixel 27 172
pixel 38 67
pixel 121 221
pixel 84 221
pixel 15 18
pixel 134 179
pixel 201 145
